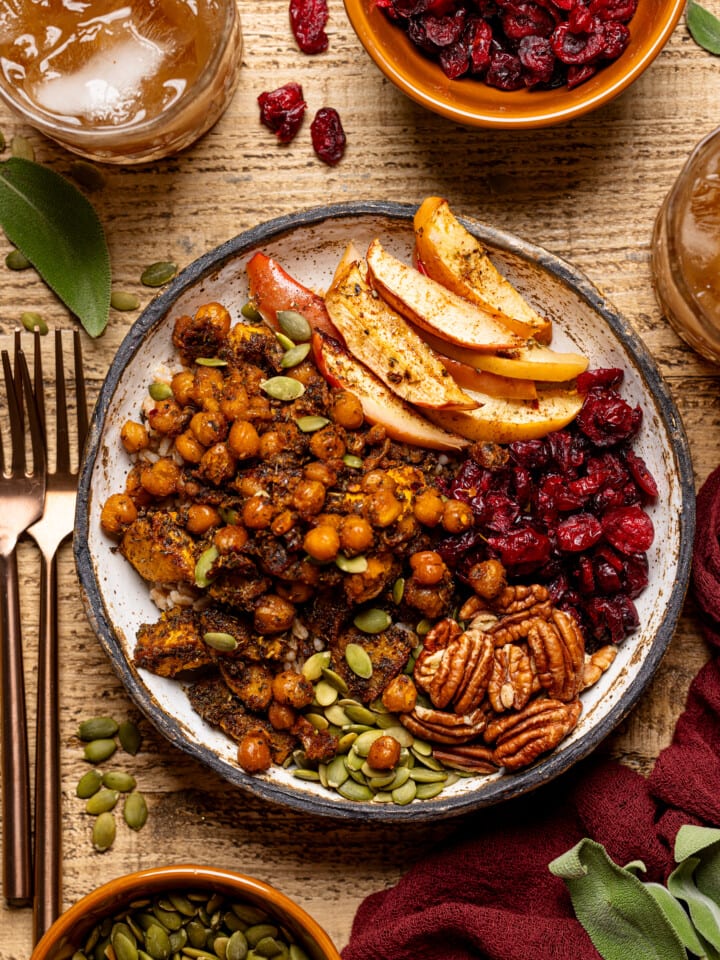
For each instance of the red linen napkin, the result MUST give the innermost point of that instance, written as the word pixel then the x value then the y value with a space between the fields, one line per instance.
pixel 489 895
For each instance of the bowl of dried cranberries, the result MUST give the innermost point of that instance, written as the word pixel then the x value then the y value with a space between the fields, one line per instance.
pixel 513 63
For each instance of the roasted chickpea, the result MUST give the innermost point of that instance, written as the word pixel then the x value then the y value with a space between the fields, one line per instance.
pixel 234 404
pixel 272 614
pixel 400 695
pixel 230 538
pixel 189 447
pixel 208 384
pixel 201 517
pixel 215 317
pixel 293 689
pixel 308 497
pixel 182 385
pixel 283 523
pixel 384 753
pixel 347 410
pixel 281 716
pixel 135 490
pixel 134 436
pixel 160 479
pixel 322 542
pixel 378 480
pixel 209 427
pixel 271 444
pixel 376 435
pixel 117 514
pixel 307 573
pixel 166 417
pixel 327 444
pixel 322 472
pixel 356 534
pixel 243 440
pixel 487 578
pixel 382 508
pixel 457 516
pixel 248 485
pixel 254 754
pixel 295 591
pixel 428 508
pixel 217 464
pixel 259 409
pixel 428 567
pixel 257 513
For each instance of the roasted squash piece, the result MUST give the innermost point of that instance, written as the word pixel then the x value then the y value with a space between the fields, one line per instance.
pixel 250 645
pixel 159 548
pixel 173 645
pixel 388 652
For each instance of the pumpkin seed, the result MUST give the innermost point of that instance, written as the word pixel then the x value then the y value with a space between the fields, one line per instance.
pixel 135 811
pixel 306 775
pixel 294 325
pixel 337 772
pixel 317 720
pixel 204 565
pixel 103 833
pixel 170 919
pixel 16 260
pixel 382 796
pixel 325 693
pixel 336 714
pixel 403 736
pixel 86 174
pixel 312 423
pixel 334 679
pixel 358 792
pixel 422 628
pixel 358 659
pixel 386 720
pixel 268 947
pixel 123 947
pixel 398 590
pixel 196 933
pixel 353 761
pixel 423 775
pixel 129 737
pixel 363 743
pixel 97 728
pixel 158 273
pixel 297 953
pixel 160 391
pixel 402 775
pixel 294 356
pixel 178 939
pixel 430 762
pixel 157 942
pixel 422 747
pixel 346 741
pixel 350 460
pixel 372 620
pixel 33 321
pixel 285 342
pixel 357 564
pixel 426 791
pixel 220 946
pixel 119 780
pixel 210 362
pixel 233 922
pixel 237 946
pixel 360 714
pixel 99 750
pixel 251 312
pixel 283 388
pixel 229 515
pixel 258 931
pixel 182 904
pixel 225 642
pixel 404 794
pixel 21 147
pixel 313 666
pixel 101 801
pixel 121 300
pixel 248 913
pixel 89 784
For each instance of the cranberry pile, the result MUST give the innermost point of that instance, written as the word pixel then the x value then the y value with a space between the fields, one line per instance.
pixel 516 44
pixel 567 509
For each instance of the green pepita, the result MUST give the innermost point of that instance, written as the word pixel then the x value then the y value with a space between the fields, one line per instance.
pixel 89 784
pixel 313 667
pixel 119 780
pixel 182 904
pixel 294 356
pixel 283 388
pixel 251 312
pixel 157 942
pixel 224 642
pixel 352 790
pixel 122 300
pixel 358 659
pixel 311 424
pixel 422 747
pixel 312 775
pixel 334 679
pixel 97 751
pixel 196 933
pixel 103 833
pixel 258 931
pixel 317 720
pixel 129 737
pixel 97 728
pixel 372 620
pixel 16 260
pixel 178 939
pixel 399 733
pixel 250 914
pixel 325 693
pixel 160 391
pixel 22 148
pixel 424 775
pixel 294 325
pixel 285 342
pixel 357 564
pixel 33 321
pixel 336 714
pixel 204 565
pixel 404 794
pixel 124 948
pixel 237 946
pixel 135 810
pixel 210 362
pixel 427 761
pixel 86 174
pixel 101 801
pixel 268 947
pixel 346 741
pixel 423 627
pixel 337 772
pixel 402 775
pixel 220 946
pixel 158 273
pixel 360 714
pixel 426 791
pixel 350 460
pixel 297 953
pixel 398 590
pixel 365 740
pixel 170 919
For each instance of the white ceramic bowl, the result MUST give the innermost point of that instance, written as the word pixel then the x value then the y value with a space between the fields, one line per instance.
pixel 309 245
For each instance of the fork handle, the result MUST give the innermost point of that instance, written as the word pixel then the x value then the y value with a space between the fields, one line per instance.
pixel 47 852
pixel 17 869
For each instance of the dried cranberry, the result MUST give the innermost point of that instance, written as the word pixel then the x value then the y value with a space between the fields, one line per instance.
pixel 478 36
pixel 622 10
pixel 308 19
pixel 567 449
pixel 606 617
pixel 579 73
pixel 328 136
pixel 617 37
pixel 282 110
pixel 536 56
pixel 641 475
pixel 417 33
pixel 607 577
pixel 526 548
pixel 577 47
pixel 579 532
pixel 628 529
pixel 607 419
pixel 454 60
pixel 526 20
pixel 580 20
pixel 599 377
pixel 504 72
pixel 585 575
pixel 531 453
pixel 636 574
pixel 444 31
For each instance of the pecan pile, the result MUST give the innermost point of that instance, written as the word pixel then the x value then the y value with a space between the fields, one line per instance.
pixel 503 689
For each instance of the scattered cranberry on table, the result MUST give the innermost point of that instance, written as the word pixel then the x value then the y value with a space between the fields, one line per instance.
pixel 282 110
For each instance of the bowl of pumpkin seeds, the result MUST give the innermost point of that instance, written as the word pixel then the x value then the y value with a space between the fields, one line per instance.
pixel 188 912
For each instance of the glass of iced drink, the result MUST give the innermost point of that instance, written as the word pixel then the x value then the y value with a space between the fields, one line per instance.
pixel 686 250
pixel 121 81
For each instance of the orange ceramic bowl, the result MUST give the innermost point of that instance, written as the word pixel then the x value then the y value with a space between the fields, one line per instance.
pixel 471 102
pixel 69 931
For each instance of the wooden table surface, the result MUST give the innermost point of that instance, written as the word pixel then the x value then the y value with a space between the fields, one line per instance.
pixel 588 192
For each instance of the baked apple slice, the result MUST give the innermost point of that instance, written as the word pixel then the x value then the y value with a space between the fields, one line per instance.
pixel 380 405
pixel 431 306
pixel 454 257
pixel 469 378
pixel 381 339
pixel 272 289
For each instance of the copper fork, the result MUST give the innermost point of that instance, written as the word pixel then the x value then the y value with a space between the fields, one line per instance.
pixel 23 494
pixel 49 532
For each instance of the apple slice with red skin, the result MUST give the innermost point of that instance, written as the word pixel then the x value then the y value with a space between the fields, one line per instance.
pixel 380 405
pixel 272 289
pixel 491 384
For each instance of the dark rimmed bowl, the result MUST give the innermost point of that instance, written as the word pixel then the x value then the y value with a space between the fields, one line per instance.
pixel 309 244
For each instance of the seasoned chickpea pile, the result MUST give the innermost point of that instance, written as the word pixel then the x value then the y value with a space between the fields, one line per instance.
pixel 291 547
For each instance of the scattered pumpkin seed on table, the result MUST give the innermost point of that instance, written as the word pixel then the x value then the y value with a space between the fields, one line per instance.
pixel 16 260
pixel 33 321
pixel 158 273
pixel 129 737
pixel 96 751
pixel 121 300
pixel 97 728
pixel 103 834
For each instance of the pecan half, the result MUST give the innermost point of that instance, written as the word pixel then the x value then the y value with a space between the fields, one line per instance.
pixel 558 648
pixel 438 726
pixel 512 679
pixel 473 757
pixel 596 664
pixel 520 738
pixel 516 627
pixel 520 598
pixel 454 667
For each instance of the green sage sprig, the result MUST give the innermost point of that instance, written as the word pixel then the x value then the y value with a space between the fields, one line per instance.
pixel 626 917
pixel 704 27
pixel 57 229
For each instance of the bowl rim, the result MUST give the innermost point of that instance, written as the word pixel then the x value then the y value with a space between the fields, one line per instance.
pixel 584 101
pixel 439 808
pixel 181 875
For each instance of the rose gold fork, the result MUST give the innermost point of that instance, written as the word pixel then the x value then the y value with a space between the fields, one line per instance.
pixel 23 494
pixel 49 532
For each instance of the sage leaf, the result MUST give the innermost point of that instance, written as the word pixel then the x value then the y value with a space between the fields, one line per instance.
pixel 704 912
pixel 619 915
pixel 677 916
pixel 704 27
pixel 691 840
pixel 56 227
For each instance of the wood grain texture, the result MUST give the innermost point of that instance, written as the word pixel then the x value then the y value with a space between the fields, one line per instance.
pixel 588 191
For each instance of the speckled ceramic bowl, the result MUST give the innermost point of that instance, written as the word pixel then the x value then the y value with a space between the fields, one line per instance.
pixel 309 245
pixel 471 102
pixel 69 931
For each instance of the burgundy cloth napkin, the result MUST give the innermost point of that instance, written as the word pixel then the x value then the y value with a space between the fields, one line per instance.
pixel 488 894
